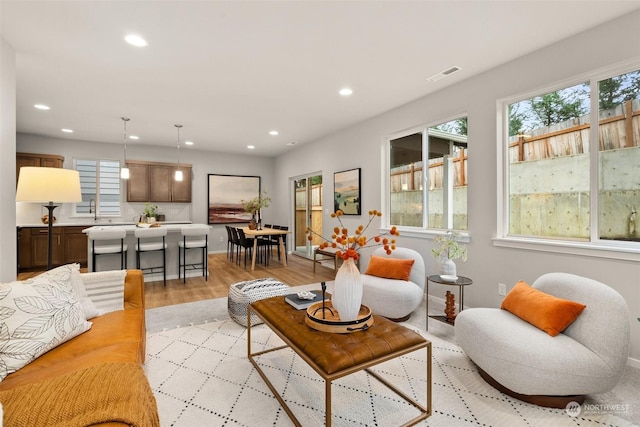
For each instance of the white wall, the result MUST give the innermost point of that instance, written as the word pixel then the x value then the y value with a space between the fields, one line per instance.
pixel 488 265
pixel 203 163
pixel 8 258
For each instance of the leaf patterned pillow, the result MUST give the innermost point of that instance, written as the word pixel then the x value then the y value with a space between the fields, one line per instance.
pixel 36 316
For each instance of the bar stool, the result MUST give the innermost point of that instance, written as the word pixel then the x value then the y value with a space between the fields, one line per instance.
pixel 109 236
pixel 193 237
pixel 148 241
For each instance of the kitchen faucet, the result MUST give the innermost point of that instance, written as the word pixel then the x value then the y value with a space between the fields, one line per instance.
pixel 94 211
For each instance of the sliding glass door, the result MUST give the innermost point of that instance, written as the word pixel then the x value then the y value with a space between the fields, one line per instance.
pixel 307 192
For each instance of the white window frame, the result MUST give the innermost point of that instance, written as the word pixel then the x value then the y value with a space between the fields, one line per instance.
pixel 595 247
pixel 97 198
pixel 424 231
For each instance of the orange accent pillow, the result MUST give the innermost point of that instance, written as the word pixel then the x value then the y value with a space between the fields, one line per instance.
pixel 544 311
pixel 390 268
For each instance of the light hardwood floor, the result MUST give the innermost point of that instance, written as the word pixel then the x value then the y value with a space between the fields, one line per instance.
pixel 222 274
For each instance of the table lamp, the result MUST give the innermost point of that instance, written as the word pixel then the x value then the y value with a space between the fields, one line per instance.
pixel 50 185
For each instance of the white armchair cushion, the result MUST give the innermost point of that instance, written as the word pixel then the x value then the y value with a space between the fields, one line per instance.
pixel 392 298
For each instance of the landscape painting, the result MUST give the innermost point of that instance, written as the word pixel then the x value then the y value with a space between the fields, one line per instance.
pixel 225 194
pixel 346 191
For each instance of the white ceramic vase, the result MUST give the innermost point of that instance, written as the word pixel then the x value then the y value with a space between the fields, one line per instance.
pixel 448 267
pixel 347 291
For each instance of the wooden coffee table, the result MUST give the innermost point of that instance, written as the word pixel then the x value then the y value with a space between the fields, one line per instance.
pixel 334 356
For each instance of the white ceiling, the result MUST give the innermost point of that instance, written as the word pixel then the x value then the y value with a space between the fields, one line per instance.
pixel 231 71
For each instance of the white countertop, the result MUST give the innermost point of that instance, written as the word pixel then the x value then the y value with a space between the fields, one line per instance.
pixel 92 224
pixel 130 228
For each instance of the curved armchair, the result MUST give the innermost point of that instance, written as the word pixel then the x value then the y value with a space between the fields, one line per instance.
pixel 392 298
pixel 525 362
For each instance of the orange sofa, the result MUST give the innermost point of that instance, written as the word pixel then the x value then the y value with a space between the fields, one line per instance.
pixel 95 378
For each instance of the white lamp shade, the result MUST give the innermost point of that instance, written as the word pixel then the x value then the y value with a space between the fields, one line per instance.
pixel 124 173
pixel 48 185
pixel 178 175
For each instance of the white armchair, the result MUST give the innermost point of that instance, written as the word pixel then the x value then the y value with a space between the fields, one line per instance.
pixel 391 298
pixel 525 362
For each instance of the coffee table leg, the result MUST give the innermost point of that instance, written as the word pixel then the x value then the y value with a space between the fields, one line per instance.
pixel 327 403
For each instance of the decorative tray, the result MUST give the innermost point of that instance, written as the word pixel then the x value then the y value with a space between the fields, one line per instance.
pixel 148 225
pixel 331 322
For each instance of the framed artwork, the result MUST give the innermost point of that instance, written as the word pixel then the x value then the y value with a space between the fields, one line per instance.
pixel 224 195
pixel 346 192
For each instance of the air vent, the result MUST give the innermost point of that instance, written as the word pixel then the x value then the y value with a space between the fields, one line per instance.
pixel 443 74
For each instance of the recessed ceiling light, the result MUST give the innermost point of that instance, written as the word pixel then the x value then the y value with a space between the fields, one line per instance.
pixel 292 143
pixel 273 132
pixel 136 137
pixel 65 130
pixel 345 91
pixel 188 143
pixel 251 147
pixel 136 40
pixel 42 107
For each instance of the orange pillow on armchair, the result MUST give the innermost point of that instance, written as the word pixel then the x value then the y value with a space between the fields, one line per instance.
pixel 544 311
pixel 390 268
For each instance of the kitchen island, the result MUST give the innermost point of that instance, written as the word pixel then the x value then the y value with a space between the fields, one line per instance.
pixel 152 259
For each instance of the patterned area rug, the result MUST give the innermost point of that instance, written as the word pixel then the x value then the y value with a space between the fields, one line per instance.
pixel 201 376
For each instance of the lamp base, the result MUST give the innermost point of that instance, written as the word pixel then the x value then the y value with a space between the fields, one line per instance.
pixel 51 220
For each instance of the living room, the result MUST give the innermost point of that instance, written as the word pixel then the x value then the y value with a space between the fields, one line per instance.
pixel 494 257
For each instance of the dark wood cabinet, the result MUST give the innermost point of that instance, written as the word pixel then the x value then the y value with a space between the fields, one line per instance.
pixel 154 182
pixel 69 246
pixel 37 160
pixel 75 244
pixel 181 190
pixel 160 183
pixel 138 182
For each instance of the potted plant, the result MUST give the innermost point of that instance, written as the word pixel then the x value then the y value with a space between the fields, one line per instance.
pixel 447 250
pixel 150 211
pixel 253 207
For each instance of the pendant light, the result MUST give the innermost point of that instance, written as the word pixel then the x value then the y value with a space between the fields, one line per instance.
pixel 178 176
pixel 124 170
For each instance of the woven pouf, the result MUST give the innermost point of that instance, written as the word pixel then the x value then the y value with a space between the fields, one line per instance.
pixel 244 293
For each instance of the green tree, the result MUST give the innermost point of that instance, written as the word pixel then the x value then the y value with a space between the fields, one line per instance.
pixel 457 126
pixel 516 119
pixel 616 90
pixel 559 106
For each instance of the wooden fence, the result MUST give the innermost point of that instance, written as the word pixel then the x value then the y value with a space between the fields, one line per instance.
pixel 409 177
pixel 618 128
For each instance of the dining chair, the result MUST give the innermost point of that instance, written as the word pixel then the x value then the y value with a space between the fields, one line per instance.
pixel 230 243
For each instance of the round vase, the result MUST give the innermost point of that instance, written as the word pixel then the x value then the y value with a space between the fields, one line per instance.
pixel 448 268
pixel 347 292
pixel 252 223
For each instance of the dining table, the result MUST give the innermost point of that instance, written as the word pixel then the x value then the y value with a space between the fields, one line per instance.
pixel 266 231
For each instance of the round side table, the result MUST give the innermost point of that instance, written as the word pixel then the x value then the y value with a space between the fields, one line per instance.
pixel 461 282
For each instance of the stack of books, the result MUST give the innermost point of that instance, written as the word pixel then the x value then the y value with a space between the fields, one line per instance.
pixel 302 304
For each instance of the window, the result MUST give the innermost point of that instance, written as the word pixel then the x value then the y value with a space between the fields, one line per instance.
pixel 427 177
pixel 555 160
pixel 100 185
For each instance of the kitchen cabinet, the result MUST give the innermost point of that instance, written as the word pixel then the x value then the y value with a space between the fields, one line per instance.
pixel 181 190
pixel 138 182
pixel 37 160
pixel 75 244
pixel 69 246
pixel 154 182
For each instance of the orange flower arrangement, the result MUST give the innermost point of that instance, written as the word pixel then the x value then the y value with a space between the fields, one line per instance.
pixel 348 246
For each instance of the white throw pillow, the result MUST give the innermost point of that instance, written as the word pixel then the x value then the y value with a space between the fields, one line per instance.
pixel 72 273
pixel 36 316
pixel 105 289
